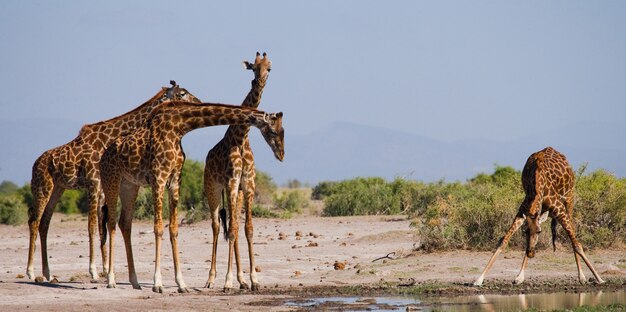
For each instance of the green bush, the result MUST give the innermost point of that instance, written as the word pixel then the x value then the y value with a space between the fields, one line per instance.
pixel 291 202
pixel 323 190
pixel 8 188
pixel 361 196
pixel 265 188
pixel 13 211
pixel 600 210
pixel 259 211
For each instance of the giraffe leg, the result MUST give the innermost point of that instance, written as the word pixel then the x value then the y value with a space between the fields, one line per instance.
pixel 503 242
pixel 569 205
pixel 128 195
pixel 44 225
pixel 249 229
pixel 568 225
pixel 233 229
pixel 157 195
pixel 93 194
pixel 102 234
pixel 213 197
pixel 240 276
pixel 173 197
pixel 111 188
pixel 520 277
pixel 41 196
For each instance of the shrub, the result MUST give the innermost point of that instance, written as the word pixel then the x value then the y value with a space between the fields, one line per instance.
pixel 13 211
pixel 290 202
pixel 361 196
pixel 259 211
pixel 265 188
pixel 600 210
pixel 323 190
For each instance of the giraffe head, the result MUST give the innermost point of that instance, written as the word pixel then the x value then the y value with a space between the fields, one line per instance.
pixel 261 66
pixel 176 93
pixel 533 228
pixel 272 130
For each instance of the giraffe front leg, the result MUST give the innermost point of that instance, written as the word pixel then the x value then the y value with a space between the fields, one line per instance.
pixel 92 228
pixel 233 229
pixel 157 194
pixel 249 229
pixel 128 196
pixel 520 277
pixel 213 199
pixel 240 276
pixel 173 196
pixel 503 242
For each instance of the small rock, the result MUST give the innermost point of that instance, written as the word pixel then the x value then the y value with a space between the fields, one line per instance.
pixel 297 274
pixel 54 281
pixel 39 279
pixel 298 234
pixel 339 265
pixel 257 269
pixel 20 276
pixel 312 244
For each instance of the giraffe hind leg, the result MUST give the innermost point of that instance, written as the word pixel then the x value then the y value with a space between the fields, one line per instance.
pixel 578 250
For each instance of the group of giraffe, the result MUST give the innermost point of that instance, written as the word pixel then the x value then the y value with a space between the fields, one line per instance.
pixel 114 158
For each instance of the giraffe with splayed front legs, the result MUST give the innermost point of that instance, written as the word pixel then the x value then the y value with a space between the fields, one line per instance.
pixel 152 155
pixel 548 182
pixel 74 166
pixel 229 169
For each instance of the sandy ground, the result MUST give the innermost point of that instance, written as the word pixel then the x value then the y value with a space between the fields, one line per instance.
pixel 290 267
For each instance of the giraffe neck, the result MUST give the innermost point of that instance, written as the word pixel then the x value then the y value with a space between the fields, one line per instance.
pixel 103 133
pixel 183 117
pixel 237 135
pixel 254 95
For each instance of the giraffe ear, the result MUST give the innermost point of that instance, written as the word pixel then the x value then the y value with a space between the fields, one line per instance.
pixel 247 65
pixel 279 114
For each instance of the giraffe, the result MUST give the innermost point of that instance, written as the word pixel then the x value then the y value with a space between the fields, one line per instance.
pixel 548 183
pixel 152 155
pixel 230 166
pixel 74 166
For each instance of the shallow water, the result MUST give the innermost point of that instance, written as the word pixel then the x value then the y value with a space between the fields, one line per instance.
pixel 464 303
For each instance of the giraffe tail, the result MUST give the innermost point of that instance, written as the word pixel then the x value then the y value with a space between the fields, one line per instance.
pixel 224 216
pixel 553 225
pixel 105 221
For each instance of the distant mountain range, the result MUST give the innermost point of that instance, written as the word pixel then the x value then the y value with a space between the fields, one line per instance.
pixel 342 150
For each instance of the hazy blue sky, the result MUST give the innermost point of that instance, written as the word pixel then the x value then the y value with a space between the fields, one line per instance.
pixel 449 70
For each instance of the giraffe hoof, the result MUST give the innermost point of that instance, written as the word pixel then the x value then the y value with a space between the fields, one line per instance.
pixel 111 286
pixel 208 285
pixel 136 286
pixel 157 289
pixel 227 290
pixel 244 286
pixel 256 286
pixel 183 290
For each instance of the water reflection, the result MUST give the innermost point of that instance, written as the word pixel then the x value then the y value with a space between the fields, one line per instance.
pixel 489 303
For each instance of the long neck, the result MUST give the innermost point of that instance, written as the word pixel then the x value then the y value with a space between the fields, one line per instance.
pixel 206 115
pixel 103 133
pixel 256 91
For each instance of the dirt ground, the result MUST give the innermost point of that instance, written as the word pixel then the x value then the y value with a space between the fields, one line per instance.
pixel 291 266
